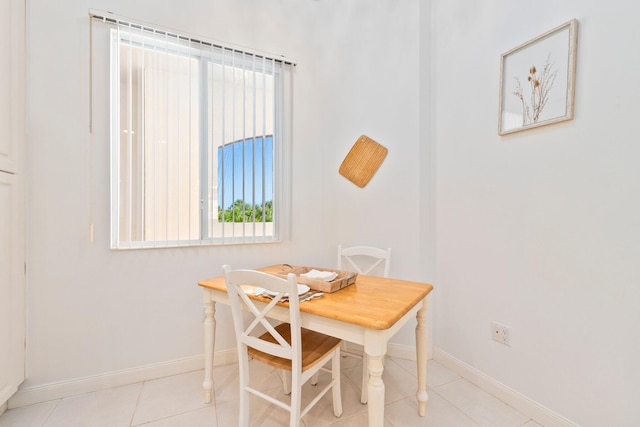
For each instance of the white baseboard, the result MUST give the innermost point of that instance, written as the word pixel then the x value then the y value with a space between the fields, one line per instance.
pixel 393 350
pixel 43 393
pixel 401 351
pixel 537 412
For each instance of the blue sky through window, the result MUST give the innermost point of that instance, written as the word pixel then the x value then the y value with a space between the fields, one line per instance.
pixel 249 177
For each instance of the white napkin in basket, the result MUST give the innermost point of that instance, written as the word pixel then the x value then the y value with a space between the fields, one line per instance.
pixel 327 276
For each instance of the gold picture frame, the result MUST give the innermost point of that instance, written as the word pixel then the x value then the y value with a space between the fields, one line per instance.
pixel 537 80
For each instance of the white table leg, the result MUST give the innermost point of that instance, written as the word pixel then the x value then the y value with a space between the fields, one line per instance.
pixel 364 395
pixel 209 343
pixel 376 392
pixel 421 356
pixel 375 348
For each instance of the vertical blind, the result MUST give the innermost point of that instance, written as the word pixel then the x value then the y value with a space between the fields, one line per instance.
pixel 200 139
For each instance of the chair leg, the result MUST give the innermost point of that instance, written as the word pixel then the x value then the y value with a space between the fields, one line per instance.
pixel 286 381
pixel 364 392
pixel 244 383
pixel 244 408
pixel 314 378
pixel 336 389
pixel 296 401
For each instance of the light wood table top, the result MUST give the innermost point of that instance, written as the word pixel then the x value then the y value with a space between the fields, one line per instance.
pixel 372 302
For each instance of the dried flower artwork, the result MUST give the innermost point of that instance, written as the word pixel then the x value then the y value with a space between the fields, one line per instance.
pixel 537 80
pixel 540 86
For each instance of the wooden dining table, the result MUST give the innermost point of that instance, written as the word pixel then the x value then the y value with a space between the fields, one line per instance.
pixel 368 313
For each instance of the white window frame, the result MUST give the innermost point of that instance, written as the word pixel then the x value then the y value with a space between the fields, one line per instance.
pixel 282 73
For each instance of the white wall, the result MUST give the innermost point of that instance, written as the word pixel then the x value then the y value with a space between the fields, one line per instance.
pixel 92 310
pixel 540 229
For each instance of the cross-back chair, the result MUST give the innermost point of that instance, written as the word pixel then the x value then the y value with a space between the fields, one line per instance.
pixel 287 346
pixel 364 259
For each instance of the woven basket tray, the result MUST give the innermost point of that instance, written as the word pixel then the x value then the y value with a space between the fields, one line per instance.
pixel 344 279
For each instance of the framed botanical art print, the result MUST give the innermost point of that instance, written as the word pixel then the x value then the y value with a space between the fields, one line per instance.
pixel 537 80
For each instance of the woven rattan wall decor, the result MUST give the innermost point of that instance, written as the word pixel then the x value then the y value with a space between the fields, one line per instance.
pixel 362 161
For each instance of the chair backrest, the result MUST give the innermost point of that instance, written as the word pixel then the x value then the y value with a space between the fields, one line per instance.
pixel 364 259
pixel 247 329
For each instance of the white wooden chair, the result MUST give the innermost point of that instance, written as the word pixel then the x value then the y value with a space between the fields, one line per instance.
pixel 287 346
pixel 364 260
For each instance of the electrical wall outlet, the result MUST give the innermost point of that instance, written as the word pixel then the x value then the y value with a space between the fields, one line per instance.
pixel 501 333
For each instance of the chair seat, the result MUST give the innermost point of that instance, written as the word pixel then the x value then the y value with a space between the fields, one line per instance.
pixel 314 346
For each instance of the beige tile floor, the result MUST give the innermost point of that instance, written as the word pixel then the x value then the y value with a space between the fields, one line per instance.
pixel 177 401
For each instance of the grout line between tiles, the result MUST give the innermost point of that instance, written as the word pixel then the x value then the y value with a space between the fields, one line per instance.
pixel 177 414
pixel 51 412
pixel 135 409
pixel 454 405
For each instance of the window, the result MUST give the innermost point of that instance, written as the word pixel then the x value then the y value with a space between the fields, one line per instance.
pixel 199 142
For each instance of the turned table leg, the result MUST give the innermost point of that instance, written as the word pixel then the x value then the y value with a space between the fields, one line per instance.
pixel 421 356
pixel 209 343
